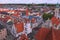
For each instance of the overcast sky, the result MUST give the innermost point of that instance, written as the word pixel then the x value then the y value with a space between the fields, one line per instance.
pixel 29 1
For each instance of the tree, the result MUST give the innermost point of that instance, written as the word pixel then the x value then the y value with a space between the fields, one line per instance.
pixel 46 16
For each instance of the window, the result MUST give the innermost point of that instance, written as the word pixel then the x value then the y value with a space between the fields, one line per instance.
pixel 23 13
pixel 59 12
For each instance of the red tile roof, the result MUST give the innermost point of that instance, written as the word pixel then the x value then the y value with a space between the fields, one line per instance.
pixel 56 34
pixel 27 11
pixel 41 34
pixel 47 34
pixel 19 27
pixel 23 37
pixel 55 20
pixel 16 14
pixel 33 20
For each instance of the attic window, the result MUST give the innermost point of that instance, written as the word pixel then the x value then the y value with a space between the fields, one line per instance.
pixel 1 27
pixel 10 23
pixel 23 13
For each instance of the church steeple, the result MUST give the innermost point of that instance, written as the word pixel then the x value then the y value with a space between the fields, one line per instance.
pixel 45 4
pixel 57 5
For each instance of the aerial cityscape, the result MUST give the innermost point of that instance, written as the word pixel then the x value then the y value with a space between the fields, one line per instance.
pixel 30 21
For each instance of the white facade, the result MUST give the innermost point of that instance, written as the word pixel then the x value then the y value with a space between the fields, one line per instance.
pixel 28 28
pixel 57 13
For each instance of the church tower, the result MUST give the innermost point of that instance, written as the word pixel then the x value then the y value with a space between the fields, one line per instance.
pixel 57 11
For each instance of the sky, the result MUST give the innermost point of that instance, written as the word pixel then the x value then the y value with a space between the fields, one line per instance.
pixel 29 1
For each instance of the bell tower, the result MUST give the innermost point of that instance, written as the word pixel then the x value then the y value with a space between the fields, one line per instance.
pixel 57 11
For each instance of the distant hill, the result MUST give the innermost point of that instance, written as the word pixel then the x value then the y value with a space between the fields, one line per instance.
pixel 31 4
pixel 18 5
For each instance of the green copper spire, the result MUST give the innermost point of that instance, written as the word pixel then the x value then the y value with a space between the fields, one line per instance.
pixel 57 5
pixel 45 4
